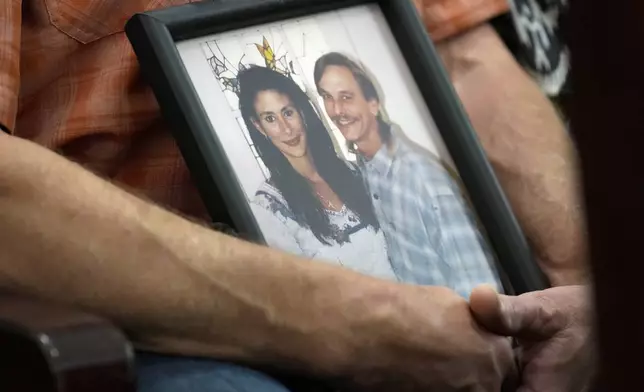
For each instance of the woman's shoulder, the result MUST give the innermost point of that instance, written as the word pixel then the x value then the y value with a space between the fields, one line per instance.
pixel 268 191
pixel 270 198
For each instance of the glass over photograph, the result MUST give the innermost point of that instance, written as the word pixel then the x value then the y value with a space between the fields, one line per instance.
pixel 336 151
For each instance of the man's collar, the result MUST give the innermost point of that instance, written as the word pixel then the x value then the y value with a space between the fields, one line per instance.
pixel 383 159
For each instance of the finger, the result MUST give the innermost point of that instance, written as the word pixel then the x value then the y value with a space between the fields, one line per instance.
pixel 525 317
pixel 486 308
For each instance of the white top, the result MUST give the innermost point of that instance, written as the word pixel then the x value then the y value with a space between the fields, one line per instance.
pixel 366 252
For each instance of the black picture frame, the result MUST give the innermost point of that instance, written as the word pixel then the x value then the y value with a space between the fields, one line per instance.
pixel 154 35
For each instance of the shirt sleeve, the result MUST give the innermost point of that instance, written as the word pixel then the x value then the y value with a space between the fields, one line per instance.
pixel 446 18
pixel 10 28
pixel 275 229
pixel 463 245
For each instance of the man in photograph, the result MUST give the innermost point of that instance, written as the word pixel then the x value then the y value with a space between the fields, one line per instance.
pixel 432 235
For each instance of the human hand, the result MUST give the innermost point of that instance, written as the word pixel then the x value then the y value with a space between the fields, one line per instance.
pixel 425 339
pixel 553 327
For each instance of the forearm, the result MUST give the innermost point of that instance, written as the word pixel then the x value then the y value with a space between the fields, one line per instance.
pixel 528 147
pixel 175 286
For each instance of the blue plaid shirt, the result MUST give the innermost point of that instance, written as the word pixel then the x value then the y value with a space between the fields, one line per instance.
pixel 432 236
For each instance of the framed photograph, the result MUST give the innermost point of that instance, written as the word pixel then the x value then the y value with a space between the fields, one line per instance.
pixel 329 129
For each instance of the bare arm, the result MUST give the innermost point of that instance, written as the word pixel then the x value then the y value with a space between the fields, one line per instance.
pixel 528 146
pixel 175 286
pixel 71 237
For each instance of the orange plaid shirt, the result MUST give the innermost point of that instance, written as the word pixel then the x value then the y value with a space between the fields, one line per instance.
pixel 70 81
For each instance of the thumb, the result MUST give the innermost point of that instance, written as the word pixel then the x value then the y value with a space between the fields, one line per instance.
pixel 523 317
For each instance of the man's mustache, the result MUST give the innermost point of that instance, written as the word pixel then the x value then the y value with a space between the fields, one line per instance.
pixel 343 118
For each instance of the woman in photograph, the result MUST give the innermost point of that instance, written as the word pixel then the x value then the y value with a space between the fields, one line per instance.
pixel 314 204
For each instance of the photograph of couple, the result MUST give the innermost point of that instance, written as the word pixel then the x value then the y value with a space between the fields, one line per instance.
pixel 340 181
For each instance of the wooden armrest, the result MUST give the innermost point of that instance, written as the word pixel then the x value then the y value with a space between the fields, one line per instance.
pixel 49 348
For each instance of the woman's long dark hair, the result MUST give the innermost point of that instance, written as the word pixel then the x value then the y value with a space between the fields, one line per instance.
pixel 296 190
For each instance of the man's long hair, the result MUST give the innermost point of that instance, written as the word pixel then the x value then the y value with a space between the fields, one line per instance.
pixel 296 190
pixel 367 86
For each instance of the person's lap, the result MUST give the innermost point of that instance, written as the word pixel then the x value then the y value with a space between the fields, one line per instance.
pixel 159 373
